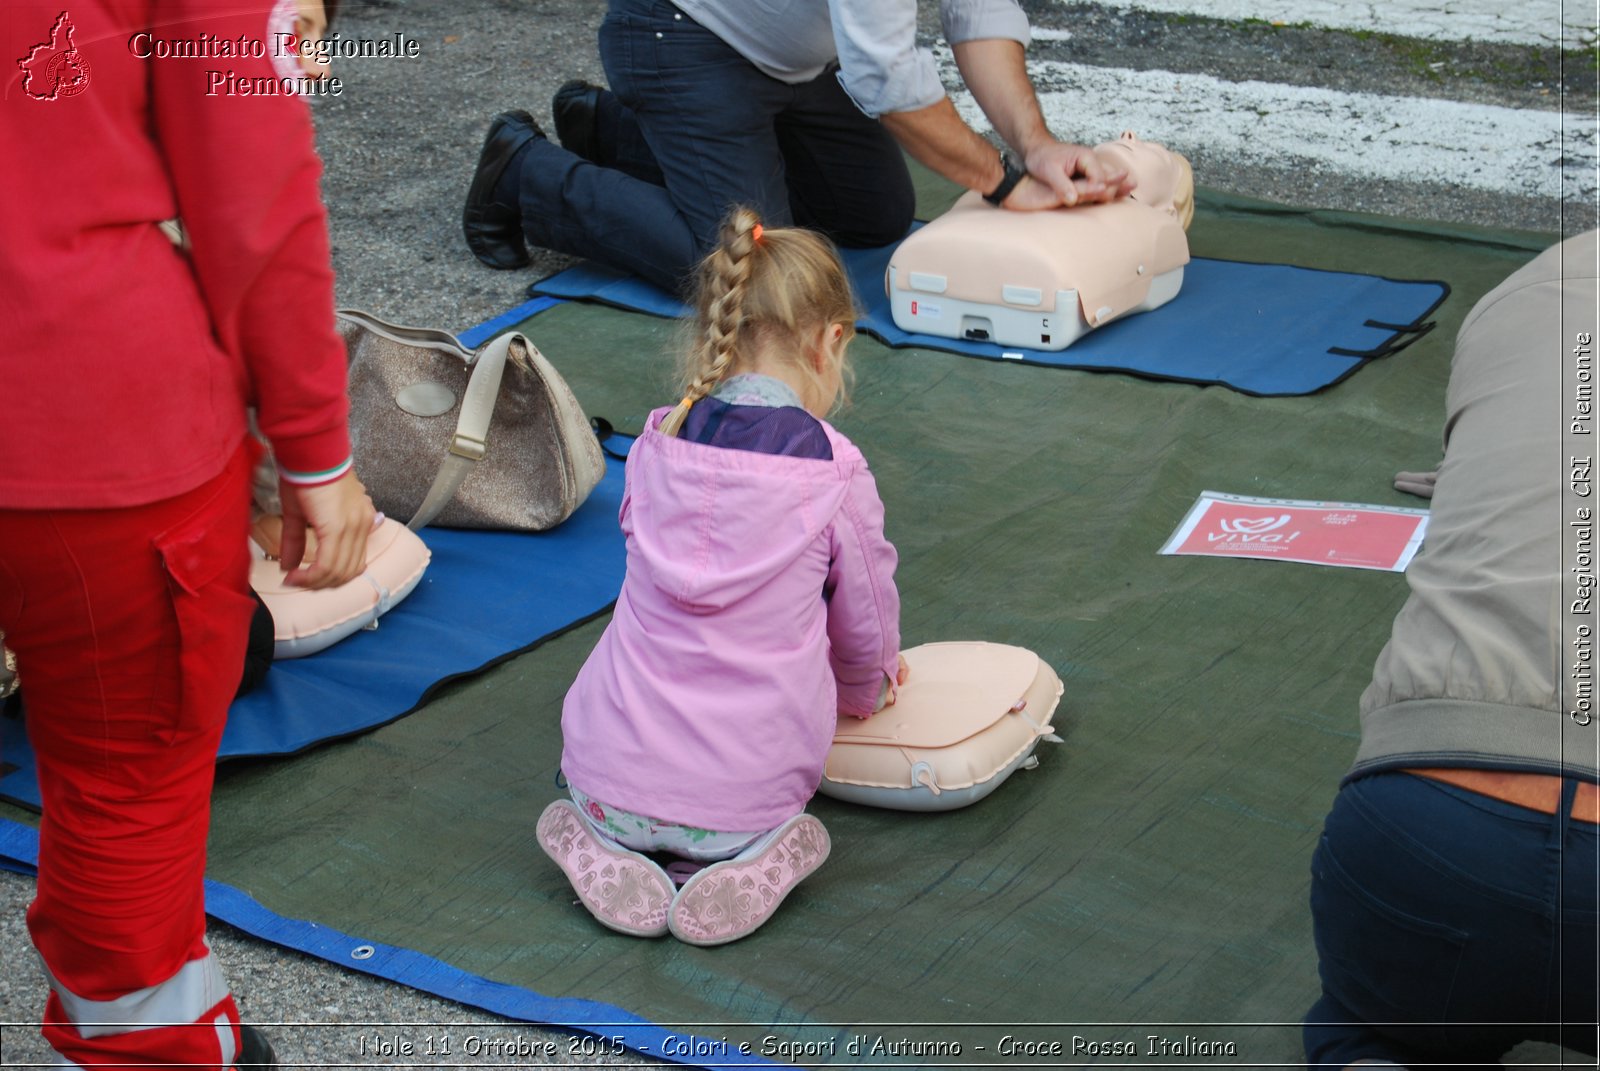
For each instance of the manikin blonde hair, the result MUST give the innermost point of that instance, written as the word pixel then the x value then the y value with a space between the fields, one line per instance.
pixel 777 290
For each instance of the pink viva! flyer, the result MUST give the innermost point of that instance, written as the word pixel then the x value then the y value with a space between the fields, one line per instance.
pixel 1318 533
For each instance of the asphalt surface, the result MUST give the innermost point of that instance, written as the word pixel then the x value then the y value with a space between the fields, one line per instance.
pixel 399 146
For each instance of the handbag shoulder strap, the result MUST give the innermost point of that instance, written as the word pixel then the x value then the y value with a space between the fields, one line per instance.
pixel 425 337
pixel 471 439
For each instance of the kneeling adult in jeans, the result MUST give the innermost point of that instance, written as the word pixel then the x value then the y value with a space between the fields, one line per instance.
pixel 799 111
pixel 1454 888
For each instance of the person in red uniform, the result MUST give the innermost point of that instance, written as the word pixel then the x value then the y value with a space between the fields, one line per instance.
pixel 126 370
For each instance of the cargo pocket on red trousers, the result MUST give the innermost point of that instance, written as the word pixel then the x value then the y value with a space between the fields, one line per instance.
pixel 207 563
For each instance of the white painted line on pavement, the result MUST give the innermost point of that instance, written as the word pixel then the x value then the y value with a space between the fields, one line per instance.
pixel 1381 138
pixel 1568 23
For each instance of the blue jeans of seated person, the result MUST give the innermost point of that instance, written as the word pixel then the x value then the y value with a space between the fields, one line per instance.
pixel 1435 905
pixel 691 129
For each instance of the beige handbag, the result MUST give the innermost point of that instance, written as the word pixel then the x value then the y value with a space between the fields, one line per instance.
pixel 491 438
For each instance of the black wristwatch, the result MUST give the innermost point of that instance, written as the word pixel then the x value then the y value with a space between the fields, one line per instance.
pixel 1013 175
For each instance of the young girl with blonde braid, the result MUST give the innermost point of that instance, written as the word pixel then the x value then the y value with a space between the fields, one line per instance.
pixel 759 601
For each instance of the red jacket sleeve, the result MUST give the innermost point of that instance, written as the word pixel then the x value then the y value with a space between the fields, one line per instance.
pixel 246 176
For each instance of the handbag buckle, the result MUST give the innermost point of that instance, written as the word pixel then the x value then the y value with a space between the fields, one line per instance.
pixel 468 446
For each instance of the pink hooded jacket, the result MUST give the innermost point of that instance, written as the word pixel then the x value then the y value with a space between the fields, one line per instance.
pixel 759 600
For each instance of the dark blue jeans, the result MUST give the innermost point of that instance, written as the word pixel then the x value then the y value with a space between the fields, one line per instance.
pixel 1450 926
pixel 691 129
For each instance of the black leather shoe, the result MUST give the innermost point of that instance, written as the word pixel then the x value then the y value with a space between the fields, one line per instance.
pixel 573 108
pixel 494 230
pixel 254 1050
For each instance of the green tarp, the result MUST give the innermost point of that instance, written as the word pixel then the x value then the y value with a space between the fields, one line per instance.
pixel 1152 870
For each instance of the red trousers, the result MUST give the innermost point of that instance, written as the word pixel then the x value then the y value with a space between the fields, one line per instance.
pixel 129 627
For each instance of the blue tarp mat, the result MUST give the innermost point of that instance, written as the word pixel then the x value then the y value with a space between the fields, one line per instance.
pixel 1263 329
pixel 485 597
pixel 19 851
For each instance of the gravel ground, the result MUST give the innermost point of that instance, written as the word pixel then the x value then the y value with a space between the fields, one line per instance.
pixel 400 144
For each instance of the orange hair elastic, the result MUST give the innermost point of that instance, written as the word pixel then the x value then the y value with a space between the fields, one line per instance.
pixel 756 232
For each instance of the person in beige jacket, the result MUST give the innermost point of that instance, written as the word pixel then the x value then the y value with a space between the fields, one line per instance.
pixel 1454 888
